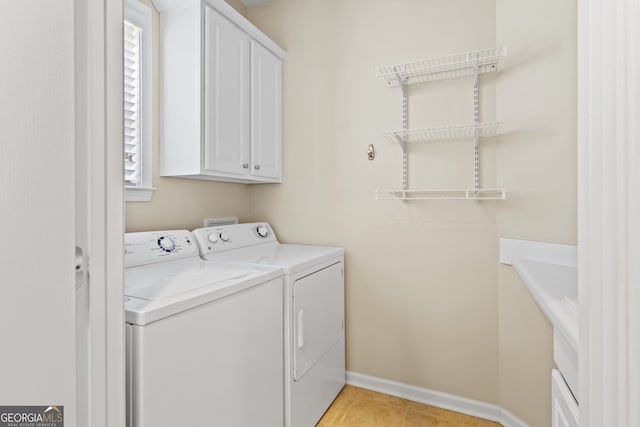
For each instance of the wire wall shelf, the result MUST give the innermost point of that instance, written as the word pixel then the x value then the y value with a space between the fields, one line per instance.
pixel 469 64
pixel 465 194
pixel 443 67
pixel 485 129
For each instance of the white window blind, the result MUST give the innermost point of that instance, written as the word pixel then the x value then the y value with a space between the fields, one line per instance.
pixel 132 108
pixel 138 121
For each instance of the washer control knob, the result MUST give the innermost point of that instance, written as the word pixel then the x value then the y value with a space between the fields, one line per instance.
pixel 263 231
pixel 166 244
pixel 224 236
pixel 213 238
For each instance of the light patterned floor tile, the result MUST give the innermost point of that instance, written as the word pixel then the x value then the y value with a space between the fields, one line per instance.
pixel 357 407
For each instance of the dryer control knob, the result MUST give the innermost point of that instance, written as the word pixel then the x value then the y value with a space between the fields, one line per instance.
pixel 213 238
pixel 262 230
pixel 224 236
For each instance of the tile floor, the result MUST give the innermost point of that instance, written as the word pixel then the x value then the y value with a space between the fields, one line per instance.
pixel 357 407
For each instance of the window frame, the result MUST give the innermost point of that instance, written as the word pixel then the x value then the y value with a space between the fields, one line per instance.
pixel 139 14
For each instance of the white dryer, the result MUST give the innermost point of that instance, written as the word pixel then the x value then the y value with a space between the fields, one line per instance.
pixel 204 340
pixel 313 311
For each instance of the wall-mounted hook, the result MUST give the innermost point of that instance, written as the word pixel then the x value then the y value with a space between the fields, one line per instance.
pixel 371 152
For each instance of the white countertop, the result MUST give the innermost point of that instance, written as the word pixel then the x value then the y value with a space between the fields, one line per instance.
pixel 550 273
pixel 555 289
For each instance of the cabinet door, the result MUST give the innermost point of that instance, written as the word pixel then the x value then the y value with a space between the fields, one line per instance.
pixel 226 96
pixel 266 113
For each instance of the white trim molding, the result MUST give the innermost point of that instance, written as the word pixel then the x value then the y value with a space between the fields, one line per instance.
pixel 165 5
pixel 138 194
pixel 230 13
pixel 438 399
pixel 100 216
pixel 609 211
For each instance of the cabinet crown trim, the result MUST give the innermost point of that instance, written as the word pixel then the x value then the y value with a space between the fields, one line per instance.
pixel 228 12
pixel 166 5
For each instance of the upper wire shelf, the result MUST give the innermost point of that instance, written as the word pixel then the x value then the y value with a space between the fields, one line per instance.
pixel 443 132
pixel 443 67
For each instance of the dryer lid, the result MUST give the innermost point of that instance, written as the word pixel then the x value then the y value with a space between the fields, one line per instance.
pixel 291 258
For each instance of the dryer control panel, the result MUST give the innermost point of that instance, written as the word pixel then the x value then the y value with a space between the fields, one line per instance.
pixel 149 247
pixel 222 238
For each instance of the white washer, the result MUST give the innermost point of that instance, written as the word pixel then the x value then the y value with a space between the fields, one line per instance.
pixel 204 340
pixel 313 311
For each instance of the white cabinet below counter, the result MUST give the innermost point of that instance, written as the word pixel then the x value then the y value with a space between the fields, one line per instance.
pixel 221 95
pixel 564 408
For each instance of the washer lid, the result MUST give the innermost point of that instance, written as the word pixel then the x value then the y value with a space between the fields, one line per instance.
pixel 174 278
pixel 153 292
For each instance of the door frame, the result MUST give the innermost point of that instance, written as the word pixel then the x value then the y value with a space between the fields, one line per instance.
pixel 609 211
pixel 100 212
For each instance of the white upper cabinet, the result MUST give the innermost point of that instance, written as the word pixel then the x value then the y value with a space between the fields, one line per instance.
pixel 221 95
pixel 266 113
pixel 226 96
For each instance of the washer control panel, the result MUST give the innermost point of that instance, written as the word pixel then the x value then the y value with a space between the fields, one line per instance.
pixel 222 238
pixel 149 247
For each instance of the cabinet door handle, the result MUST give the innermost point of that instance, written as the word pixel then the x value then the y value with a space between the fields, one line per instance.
pixel 245 165
pixel 257 167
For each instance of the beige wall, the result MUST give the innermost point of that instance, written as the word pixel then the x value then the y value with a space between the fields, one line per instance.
pixel 537 155
pixel 427 302
pixel 182 203
pixel 421 276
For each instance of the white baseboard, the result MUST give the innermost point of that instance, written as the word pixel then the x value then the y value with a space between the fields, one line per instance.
pixel 507 419
pixel 435 398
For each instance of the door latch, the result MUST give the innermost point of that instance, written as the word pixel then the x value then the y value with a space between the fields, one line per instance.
pixel 79 267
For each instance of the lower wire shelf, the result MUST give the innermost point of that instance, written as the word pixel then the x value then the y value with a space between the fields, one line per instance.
pixel 463 194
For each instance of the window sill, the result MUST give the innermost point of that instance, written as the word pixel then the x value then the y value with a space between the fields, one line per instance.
pixel 138 194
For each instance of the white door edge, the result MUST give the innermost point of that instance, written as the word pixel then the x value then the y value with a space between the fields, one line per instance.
pixel 100 213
